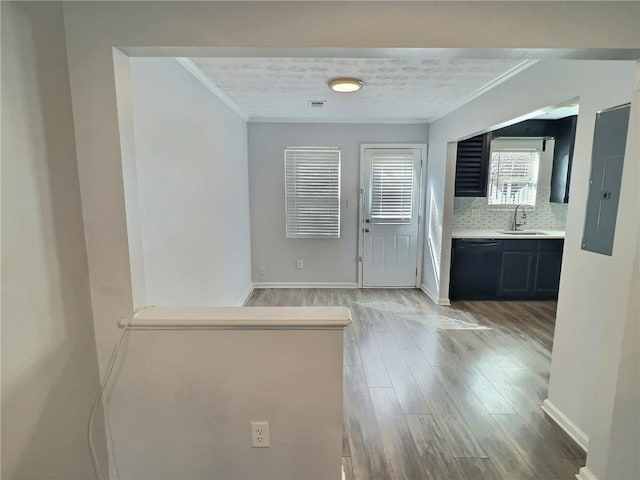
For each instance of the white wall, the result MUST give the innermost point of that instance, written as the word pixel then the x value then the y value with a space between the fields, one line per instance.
pixel 94 28
pixel 581 311
pixel 325 260
pixel 192 188
pixel 49 363
pixel 614 434
pixel 184 401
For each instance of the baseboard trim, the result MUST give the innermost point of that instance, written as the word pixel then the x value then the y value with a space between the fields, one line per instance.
pixel 434 298
pixel 245 297
pixel 585 474
pixel 566 424
pixel 304 285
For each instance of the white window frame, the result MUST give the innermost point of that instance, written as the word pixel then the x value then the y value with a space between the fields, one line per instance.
pixel 525 145
pixel 298 223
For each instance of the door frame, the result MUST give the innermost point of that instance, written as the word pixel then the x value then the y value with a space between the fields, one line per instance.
pixel 421 198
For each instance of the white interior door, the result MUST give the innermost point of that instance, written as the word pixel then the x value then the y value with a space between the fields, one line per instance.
pixel 390 200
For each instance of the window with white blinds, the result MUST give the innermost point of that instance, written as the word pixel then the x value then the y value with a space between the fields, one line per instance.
pixel 513 172
pixel 312 192
pixel 392 189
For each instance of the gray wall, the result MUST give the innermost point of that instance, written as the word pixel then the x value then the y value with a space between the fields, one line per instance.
pixel 49 364
pixel 192 189
pixel 325 260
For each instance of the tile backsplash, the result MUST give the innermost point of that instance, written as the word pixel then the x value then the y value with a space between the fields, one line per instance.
pixel 474 213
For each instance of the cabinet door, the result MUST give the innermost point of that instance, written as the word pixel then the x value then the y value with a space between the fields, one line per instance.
pixel 472 166
pixel 517 274
pixel 548 274
pixel 565 136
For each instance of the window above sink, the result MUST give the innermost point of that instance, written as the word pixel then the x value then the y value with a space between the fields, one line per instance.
pixel 513 172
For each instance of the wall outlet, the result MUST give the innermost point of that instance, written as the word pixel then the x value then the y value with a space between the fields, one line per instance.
pixel 261 270
pixel 299 264
pixel 259 434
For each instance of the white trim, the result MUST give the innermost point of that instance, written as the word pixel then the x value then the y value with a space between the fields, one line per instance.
pixel 382 121
pixel 238 318
pixel 202 77
pixel 305 285
pixel 585 474
pixel 484 89
pixel 245 296
pixel 421 195
pixel 434 298
pixel 554 413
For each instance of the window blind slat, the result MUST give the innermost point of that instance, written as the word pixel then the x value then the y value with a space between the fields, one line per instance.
pixel 312 192
pixel 392 189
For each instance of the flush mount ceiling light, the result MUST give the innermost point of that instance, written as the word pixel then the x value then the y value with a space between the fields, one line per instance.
pixel 345 85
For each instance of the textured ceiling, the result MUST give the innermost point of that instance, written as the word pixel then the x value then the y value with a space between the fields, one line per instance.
pixel 395 88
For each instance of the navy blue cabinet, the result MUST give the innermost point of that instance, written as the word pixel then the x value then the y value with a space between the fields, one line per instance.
pixel 475 268
pixel 472 166
pixel 505 269
pixel 548 264
pixel 516 274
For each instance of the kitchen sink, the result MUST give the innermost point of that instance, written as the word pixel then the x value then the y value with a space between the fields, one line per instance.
pixel 521 232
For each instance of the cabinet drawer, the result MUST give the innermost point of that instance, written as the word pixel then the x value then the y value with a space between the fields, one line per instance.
pixel 520 245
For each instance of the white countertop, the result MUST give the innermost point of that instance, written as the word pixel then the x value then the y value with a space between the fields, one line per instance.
pixel 495 233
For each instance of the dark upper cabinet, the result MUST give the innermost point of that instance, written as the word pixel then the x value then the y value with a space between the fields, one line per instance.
pixel 527 128
pixel 472 166
pixel 565 136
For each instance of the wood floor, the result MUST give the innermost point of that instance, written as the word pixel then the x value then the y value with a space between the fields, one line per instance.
pixel 444 392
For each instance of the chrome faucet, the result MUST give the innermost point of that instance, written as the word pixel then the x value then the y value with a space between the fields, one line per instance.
pixel 514 224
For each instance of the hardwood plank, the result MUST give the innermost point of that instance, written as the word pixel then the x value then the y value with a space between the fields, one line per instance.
pixel 365 444
pixel 503 454
pixel 346 449
pixel 457 389
pixel 481 469
pixel 535 451
pixel 409 394
pixel 351 354
pixel 477 384
pixel 399 448
pixel 347 468
pixel 430 440
pixel 372 363
pixel 530 411
pixel 461 442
